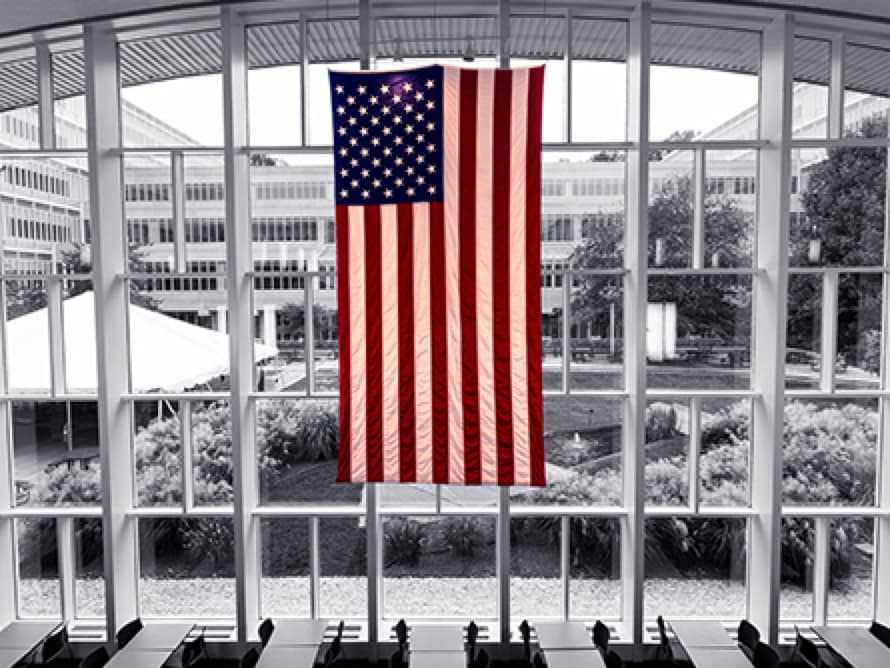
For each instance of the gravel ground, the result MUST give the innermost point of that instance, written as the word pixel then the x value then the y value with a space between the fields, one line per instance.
pixel 418 597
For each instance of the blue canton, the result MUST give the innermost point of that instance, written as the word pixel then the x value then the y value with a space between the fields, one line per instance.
pixel 387 136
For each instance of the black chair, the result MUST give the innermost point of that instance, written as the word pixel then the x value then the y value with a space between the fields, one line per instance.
pixel 806 652
pixel 472 636
pixel 748 636
pixel 664 651
pixel 96 659
pixel 401 629
pixel 250 659
pixel 334 651
pixel 399 659
pixel 881 632
pixel 613 660
pixel 525 631
pixel 193 652
pixel 54 646
pixel 265 631
pixel 482 661
pixel 601 637
pixel 127 632
pixel 340 627
pixel 765 656
pixel 538 661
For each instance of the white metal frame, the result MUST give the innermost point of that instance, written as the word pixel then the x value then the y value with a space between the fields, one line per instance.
pixel 769 275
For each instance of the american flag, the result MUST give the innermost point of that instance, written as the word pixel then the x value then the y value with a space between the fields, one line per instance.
pixel 437 178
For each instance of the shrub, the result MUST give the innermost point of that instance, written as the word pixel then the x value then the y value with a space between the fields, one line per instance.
pixel 667 482
pixel 403 541
pixel 158 466
pixel 465 535
pixel 869 351
pixel 60 486
pixel 212 454
pixel 211 546
pixel 289 433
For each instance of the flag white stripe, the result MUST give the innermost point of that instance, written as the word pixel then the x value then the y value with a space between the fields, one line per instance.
pixel 357 402
pixel 518 344
pixel 423 392
pixel 484 326
pixel 451 136
pixel 389 271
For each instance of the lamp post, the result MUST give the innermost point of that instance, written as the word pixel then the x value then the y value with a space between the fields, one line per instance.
pixel 814 253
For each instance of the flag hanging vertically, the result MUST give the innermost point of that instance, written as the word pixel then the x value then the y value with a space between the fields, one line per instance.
pixel 437 179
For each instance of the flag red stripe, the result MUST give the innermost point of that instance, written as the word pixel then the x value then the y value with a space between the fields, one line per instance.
pixel 438 342
pixel 467 221
pixel 407 441
pixel 374 344
pixel 501 275
pixel 344 462
pixel 533 281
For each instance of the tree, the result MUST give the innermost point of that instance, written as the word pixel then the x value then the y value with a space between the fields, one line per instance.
pixel 292 323
pixel 709 304
pixel 844 205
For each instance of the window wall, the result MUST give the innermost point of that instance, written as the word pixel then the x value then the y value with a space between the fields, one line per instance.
pixel 688 253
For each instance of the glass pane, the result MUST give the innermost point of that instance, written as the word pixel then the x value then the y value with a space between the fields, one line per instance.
pixel 724 463
pixel 439 567
pixel 667 453
pixel 20 126
pixel 69 84
pixel 186 567
pixel 727 77
pixel 285 584
pixel 803 341
pixel 671 208
pixel 273 84
pixel 343 578
pixel 535 584
pixel 599 80
pixel 858 364
pixel 830 452
pixel 89 573
pixel 27 335
pixel 176 108
pixel 695 567
pixel 796 595
pixel 838 203
pixel 850 591
pixel 595 587
pixel 148 207
pixel 157 453
pixel 297 443
pixel 812 70
pixel 582 446
pixel 38 566
pixel 698 332
pixel 730 208
pixel 212 453
pixel 56 448
pixel 596 333
pixel 863 99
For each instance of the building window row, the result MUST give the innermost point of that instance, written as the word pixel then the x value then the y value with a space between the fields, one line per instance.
pixel 595 187
pixel 291 190
pixel 35 180
pixel 731 185
pixel 285 228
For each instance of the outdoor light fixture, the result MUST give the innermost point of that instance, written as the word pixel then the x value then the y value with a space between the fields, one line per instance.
pixel 469 51
pixel 815 250
pixel 397 51
pixel 659 252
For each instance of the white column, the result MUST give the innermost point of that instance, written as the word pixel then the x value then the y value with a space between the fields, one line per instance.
pixel 109 262
pixel 238 266
pixel 221 314
pixel 770 308
pixel 269 329
pixel 7 491
pixel 45 106
pixel 633 533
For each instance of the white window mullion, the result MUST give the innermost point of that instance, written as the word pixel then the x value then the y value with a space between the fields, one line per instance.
pixel 65 551
pixel 830 280
pixel 45 106
pixel 177 187
pixel 8 572
pixel 836 88
pixel 304 78
pixel 55 319
pixel 185 451
pixel 635 295
pixel 109 262
pixel 567 81
pixel 314 569
pixel 309 331
pixel 694 451
pixel 769 317
pixel 821 568
pixel 241 365
pixel 698 217
pixel 565 564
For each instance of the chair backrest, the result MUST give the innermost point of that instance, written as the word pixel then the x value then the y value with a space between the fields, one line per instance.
pixel 806 651
pixel 127 632
pixel 340 627
pixel 881 632
pixel 482 660
pixel 472 633
pixel 95 659
pixel 192 651
pixel 333 653
pixel 250 659
pixel 525 630
pixel 601 636
pixel 662 632
pixel 765 656
pixel 398 659
pixel 265 630
pixel 749 636
pixel 613 660
pixel 401 629
pixel 54 645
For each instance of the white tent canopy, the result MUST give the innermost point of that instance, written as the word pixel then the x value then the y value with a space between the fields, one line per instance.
pixel 166 353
